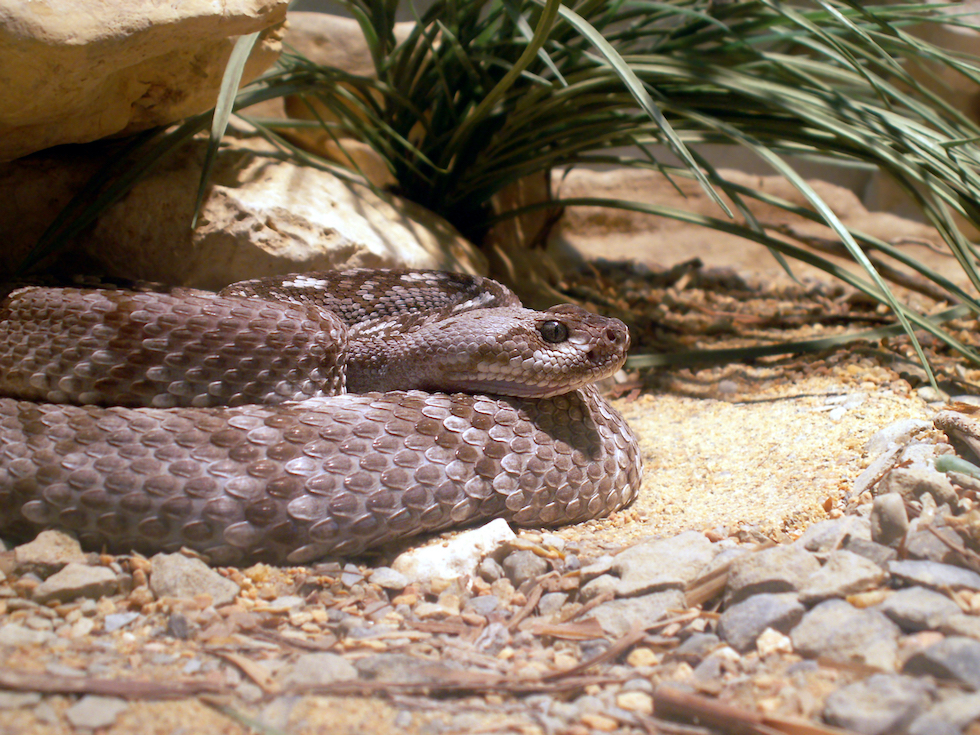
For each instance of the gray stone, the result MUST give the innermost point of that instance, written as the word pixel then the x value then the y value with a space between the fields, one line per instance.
pixel 833 533
pixel 656 565
pixel 913 482
pixel 708 674
pixel 844 573
pixel 617 617
pixel 774 570
pixel 351 575
pixel 742 623
pixel 551 603
pixel 484 604
pixel 74 581
pixel 955 713
pixel 962 624
pixel 696 648
pixel 176 575
pixel 93 712
pixel 319 668
pixel 604 584
pixel 841 632
pixel 956 658
pixel 878 705
pixel 178 626
pixel 115 621
pixel 49 552
pixel 490 570
pixel 921 541
pixel 523 565
pixel 889 519
pixel 917 608
pixel 878 553
pixel 934 574
pixel 389 579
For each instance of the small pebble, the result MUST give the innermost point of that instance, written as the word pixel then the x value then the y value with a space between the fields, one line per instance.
pixel 617 617
pixel 933 574
pixel 889 519
pixel 880 704
pixel 775 570
pixel 599 722
pixel 551 603
pixel 115 621
pixel 176 575
pixel 76 580
pixel 743 622
pixel 953 714
pixel 635 702
pixel 93 712
pixel 842 632
pixel 490 570
pixel 696 647
pixel 351 575
pixel 483 604
pixel 49 552
pixel 843 573
pixel 956 658
pixel 388 578
pixel 523 565
pixel 918 608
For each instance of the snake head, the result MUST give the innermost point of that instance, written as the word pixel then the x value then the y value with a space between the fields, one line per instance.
pixel 514 351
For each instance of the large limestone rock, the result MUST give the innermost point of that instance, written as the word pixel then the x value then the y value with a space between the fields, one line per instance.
pixel 261 216
pixel 78 70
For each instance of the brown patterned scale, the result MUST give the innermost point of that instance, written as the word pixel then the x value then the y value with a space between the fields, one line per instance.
pixel 245 449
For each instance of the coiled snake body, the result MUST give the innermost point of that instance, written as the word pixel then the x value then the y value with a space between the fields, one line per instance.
pixel 220 422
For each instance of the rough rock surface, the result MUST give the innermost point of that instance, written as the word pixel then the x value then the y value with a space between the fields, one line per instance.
pixel 259 218
pixel 72 75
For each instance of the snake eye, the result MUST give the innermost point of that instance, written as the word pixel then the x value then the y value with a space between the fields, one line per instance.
pixel 554 332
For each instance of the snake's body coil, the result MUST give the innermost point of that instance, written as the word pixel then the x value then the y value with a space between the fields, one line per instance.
pixel 153 421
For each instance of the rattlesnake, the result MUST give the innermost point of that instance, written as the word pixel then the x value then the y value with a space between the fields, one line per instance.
pixel 220 422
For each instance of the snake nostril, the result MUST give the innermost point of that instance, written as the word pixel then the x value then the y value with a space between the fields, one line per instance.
pixel 612 336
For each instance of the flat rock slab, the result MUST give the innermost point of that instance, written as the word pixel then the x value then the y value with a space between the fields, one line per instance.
pixel 837 630
pixel 176 575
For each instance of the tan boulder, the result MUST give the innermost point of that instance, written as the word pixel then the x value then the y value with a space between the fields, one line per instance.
pixel 261 216
pixel 74 72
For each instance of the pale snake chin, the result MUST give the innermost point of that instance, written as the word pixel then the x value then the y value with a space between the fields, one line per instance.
pixel 296 417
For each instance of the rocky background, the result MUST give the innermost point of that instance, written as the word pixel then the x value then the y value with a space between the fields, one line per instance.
pixel 804 554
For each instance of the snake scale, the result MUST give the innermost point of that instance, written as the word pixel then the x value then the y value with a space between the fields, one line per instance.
pixel 296 417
